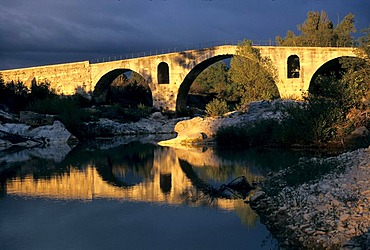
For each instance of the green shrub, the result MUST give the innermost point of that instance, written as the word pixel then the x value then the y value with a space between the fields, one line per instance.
pixel 16 96
pixel 69 113
pixel 13 95
pixel 261 133
pixel 119 113
pixel 307 124
pixel 310 123
pixel 135 114
pixel 216 107
pixel 41 91
pixel 144 111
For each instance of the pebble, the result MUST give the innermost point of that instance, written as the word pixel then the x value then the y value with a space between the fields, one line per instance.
pixel 344 217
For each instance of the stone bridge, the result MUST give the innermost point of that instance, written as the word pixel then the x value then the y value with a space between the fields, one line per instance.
pixel 170 76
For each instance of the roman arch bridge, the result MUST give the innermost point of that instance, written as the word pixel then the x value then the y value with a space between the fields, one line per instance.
pixel 170 75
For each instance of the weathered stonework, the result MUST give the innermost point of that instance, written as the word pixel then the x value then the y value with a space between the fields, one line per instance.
pixel 183 67
pixel 64 78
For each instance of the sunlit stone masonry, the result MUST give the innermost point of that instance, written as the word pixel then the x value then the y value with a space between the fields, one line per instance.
pixel 170 75
pixel 330 212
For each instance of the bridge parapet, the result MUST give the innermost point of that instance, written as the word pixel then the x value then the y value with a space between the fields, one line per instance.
pixel 197 46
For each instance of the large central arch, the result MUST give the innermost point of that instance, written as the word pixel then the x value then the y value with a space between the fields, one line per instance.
pixel 191 76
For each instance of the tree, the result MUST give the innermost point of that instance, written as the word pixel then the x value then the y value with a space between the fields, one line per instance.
pixel 41 90
pixel 211 79
pixel 356 74
pixel 318 31
pixel 342 100
pixel 342 33
pixel 130 90
pixel 252 75
pixel 289 40
pixel 364 42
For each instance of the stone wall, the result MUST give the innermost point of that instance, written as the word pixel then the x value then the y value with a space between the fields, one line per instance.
pixel 310 58
pixel 64 78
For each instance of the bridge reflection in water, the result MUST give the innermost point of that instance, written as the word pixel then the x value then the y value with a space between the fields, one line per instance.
pixel 162 177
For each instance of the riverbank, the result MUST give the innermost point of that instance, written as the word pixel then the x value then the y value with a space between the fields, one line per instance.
pixel 30 129
pixel 331 212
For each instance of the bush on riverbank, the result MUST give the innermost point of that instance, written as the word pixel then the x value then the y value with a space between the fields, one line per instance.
pixel 73 114
pixel 72 111
pixel 15 96
pixel 216 107
pixel 68 110
pixel 118 113
pixel 316 123
pixel 302 124
pixel 260 133
pixel 331 111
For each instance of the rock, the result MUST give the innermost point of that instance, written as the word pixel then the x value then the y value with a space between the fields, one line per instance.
pixel 257 106
pixel 256 196
pixel 7 117
pixel 194 130
pixel 307 217
pixel 4 144
pixel 207 126
pixel 351 231
pixel 360 132
pixel 53 134
pixel 257 111
pixel 106 127
pixel 335 203
pixel 232 114
pixel 43 135
pixel 344 217
pixel 194 138
pixel 157 116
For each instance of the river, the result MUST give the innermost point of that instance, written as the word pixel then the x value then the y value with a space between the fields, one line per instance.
pixel 125 193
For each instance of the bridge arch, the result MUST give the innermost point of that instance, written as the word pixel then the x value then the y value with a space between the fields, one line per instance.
pixel 103 85
pixel 191 76
pixel 331 66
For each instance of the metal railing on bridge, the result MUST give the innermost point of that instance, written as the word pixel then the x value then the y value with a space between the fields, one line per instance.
pixel 179 49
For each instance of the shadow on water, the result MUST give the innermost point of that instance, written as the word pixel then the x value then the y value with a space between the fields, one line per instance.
pixel 143 174
pixel 124 166
pixel 266 159
pixel 237 188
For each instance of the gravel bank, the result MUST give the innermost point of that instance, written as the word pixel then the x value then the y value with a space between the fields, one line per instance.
pixel 328 212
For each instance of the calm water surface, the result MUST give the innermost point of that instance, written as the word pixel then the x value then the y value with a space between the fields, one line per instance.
pixel 117 194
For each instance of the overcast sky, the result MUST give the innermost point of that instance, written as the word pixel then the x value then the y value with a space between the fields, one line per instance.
pixel 38 32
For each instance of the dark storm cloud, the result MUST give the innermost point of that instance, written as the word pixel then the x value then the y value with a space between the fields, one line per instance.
pixel 43 31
